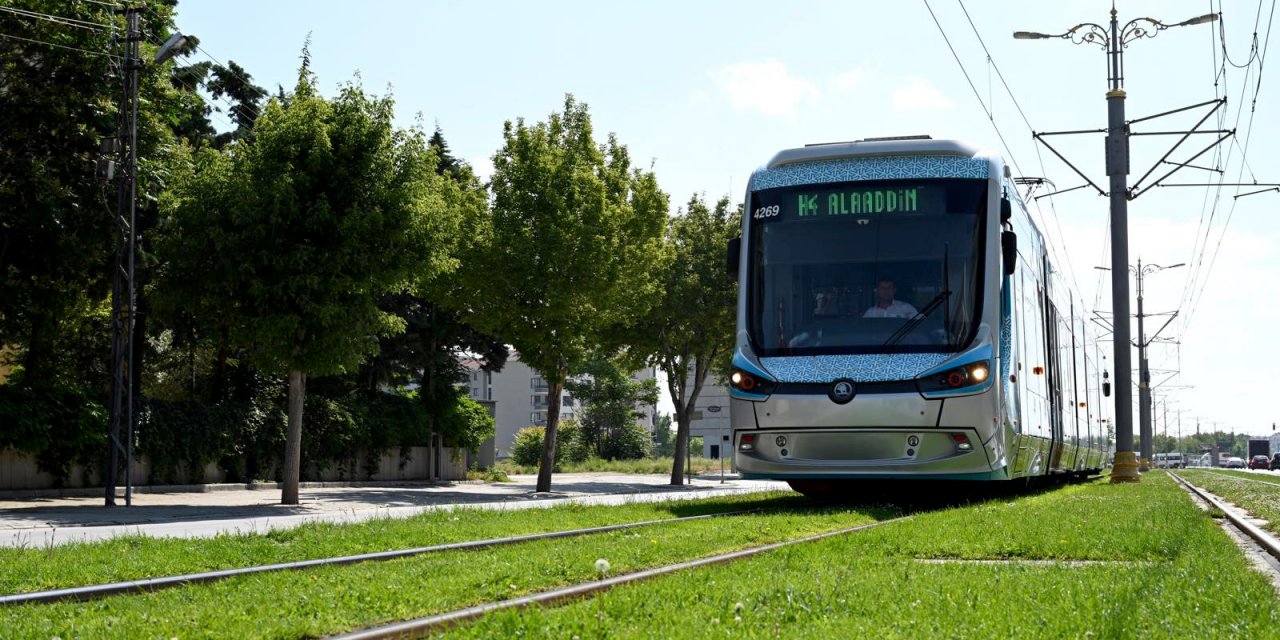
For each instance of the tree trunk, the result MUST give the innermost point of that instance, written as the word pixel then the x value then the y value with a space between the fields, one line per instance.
pixel 293 440
pixel 677 371
pixel 554 389
pixel 682 446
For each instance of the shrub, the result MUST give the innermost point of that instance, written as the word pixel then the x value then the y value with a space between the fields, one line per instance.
pixel 57 424
pixel 527 449
pixel 186 435
pixel 628 442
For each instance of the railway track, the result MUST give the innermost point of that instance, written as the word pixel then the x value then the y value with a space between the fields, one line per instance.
pixel 1267 542
pixel 419 627
pixel 99 591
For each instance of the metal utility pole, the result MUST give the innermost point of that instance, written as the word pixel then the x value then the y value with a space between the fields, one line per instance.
pixel 1144 368
pixel 123 292
pixel 122 281
pixel 1113 41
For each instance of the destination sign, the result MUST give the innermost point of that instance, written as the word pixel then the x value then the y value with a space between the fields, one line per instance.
pixel 858 201
pixel 849 199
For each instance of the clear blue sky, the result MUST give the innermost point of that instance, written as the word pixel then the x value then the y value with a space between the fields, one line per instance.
pixel 707 91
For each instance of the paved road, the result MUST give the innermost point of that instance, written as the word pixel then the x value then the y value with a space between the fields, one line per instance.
pixel 51 521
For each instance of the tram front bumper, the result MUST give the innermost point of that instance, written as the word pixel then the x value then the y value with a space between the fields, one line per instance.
pixel 862 453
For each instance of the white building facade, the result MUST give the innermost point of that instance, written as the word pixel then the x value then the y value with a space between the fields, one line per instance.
pixel 521 399
pixel 711 418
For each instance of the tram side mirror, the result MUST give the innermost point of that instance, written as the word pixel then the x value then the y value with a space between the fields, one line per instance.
pixel 1106 389
pixel 1009 250
pixel 1006 211
pixel 732 256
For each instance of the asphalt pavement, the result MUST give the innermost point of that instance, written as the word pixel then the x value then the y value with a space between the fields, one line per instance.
pixel 43 522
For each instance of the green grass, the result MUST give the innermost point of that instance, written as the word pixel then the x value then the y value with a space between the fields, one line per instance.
pixel 328 600
pixel 1163 570
pixel 1256 494
pixel 598 465
pixel 137 557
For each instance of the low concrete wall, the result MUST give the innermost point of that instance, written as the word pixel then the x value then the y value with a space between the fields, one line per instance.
pixel 19 472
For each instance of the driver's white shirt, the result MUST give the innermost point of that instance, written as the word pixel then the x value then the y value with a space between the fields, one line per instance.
pixel 896 309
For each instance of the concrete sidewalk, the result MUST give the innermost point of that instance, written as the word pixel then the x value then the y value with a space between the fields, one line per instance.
pixel 41 522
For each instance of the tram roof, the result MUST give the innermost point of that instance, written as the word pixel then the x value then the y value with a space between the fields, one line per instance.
pixel 903 146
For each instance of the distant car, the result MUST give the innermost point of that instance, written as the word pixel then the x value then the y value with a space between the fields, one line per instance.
pixel 1275 462
pixel 1235 463
pixel 1259 462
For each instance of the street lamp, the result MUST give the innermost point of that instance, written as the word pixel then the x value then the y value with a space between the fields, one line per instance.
pixel 1113 41
pixel 171 47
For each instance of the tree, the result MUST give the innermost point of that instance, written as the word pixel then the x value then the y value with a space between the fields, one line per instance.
pixel 58 101
pixel 691 328
pixel 297 235
pixel 436 332
pixel 609 397
pixel 569 249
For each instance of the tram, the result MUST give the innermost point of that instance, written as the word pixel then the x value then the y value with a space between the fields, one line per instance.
pixel 900 317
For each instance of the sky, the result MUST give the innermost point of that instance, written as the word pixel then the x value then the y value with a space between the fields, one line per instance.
pixel 705 92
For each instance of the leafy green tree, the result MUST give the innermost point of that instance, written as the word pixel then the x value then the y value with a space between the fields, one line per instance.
pixel 691 327
pixel 436 331
pixel 569 250
pixel 610 399
pixel 58 100
pixel 297 235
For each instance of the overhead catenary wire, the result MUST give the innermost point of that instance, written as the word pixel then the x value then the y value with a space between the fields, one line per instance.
pixel 1053 209
pixel 1244 151
pixel 974 87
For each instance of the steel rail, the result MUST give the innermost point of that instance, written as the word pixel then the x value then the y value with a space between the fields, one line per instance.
pixel 1264 539
pixel 442 621
pixel 97 592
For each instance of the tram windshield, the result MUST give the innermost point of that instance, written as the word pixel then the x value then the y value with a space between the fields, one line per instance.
pixel 866 267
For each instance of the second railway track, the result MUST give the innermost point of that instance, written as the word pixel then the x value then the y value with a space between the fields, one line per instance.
pixel 99 591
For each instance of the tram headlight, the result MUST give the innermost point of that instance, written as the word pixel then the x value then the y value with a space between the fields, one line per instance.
pixel 974 374
pixel 748 382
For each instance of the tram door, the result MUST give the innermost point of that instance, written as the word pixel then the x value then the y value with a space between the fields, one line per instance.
pixel 1053 374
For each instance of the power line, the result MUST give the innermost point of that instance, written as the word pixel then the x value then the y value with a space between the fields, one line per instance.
pixel 976 94
pixel 71 22
pixel 60 46
pixel 230 105
pixel 1244 152
pixel 1253 47
pixel 1052 207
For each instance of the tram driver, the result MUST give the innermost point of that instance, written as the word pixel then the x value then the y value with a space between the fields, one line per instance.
pixel 887 306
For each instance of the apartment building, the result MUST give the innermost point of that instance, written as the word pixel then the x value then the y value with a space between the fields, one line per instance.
pixel 711 419
pixel 521 399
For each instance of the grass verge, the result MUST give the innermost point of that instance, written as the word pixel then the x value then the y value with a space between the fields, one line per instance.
pixel 1090 561
pixel 138 557
pixel 329 600
pixel 1258 496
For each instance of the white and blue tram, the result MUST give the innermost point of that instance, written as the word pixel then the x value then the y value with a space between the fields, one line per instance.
pixel 899 317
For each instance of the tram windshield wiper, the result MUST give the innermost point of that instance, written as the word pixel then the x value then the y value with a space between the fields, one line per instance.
pixel 910 325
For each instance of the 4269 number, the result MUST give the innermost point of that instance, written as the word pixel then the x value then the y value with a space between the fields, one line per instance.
pixel 767 212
